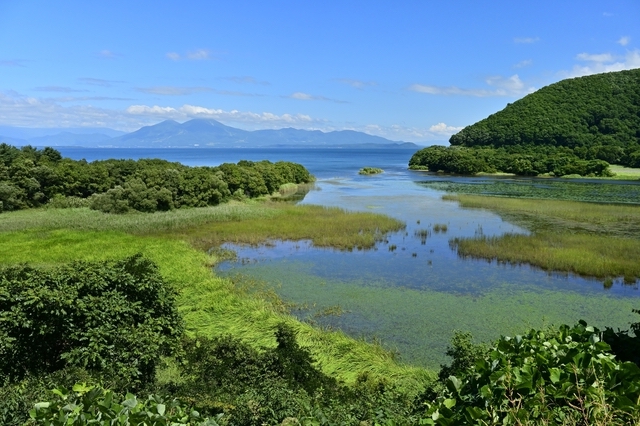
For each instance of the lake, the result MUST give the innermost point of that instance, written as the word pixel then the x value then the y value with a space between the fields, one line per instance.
pixel 412 290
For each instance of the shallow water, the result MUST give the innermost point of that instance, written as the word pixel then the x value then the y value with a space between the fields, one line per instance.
pixel 413 297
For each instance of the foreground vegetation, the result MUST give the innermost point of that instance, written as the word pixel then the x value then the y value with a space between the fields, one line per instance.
pixel 210 307
pixel 574 127
pixel 74 330
pixel 596 240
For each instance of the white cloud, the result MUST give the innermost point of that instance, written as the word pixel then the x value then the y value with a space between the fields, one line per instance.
pixel 601 57
pixel 443 129
pixel 192 55
pixel 604 62
pixel 523 64
pixel 187 112
pixel 307 97
pixel 199 54
pixel 526 40
pixel 624 40
pixel 301 96
pixel 24 111
pixel 504 86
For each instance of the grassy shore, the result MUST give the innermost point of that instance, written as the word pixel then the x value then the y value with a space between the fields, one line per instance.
pixel 212 305
pixel 589 239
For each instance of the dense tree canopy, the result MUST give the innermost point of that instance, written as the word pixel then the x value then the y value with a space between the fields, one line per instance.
pixel 30 177
pixel 575 126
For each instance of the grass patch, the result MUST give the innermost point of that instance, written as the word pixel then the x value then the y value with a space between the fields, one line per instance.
pixel 596 240
pixel 621 172
pixel 210 305
pixel 324 226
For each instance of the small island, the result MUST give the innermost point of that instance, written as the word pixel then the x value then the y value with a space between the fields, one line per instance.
pixel 370 171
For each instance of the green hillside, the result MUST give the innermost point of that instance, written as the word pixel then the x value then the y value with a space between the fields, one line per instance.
pixel 569 127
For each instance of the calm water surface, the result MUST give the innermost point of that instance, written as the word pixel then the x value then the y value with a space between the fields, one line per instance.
pixel 411 297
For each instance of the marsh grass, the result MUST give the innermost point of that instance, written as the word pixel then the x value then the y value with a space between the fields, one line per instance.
pixel 135 223
pixel 323 226
pixel 440 227
pixel 210 305
pixel 596 240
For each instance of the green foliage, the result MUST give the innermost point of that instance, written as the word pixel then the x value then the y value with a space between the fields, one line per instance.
pixel 31 178
pixel 94 405
pixel 370 171
pixel 574 127
pixel 563 376
pixel 268 386
pixel 115 319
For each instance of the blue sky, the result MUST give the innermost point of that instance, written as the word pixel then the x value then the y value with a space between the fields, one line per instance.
pixel 406 70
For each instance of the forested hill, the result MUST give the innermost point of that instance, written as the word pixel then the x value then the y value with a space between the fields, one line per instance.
pixel 596 112
pixel 593 118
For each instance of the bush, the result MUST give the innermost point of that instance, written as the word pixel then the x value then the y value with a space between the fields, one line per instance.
pixel 114 319
pixel 565 376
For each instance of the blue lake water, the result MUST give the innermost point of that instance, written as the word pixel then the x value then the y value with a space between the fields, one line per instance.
pixel 413 296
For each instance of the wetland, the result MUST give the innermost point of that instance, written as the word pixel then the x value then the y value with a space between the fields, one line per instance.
pixel 410 290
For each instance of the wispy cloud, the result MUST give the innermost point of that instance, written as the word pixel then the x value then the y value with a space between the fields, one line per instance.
pixel 603 62
pixel 108 54
pixel 624 40
pixel 25 111
pixel 501 86
pixel 199 54
pixel 307 97
pixel 192 55
pixel 12 63
pixel 98 81
pixel 184 91
pixel 444 130
pixel 172 90
pixel 358 84
pixel 89 98
pixel 246 80
pixel 524 64
pixel 600 57
pixel 526 40
pixel 59 89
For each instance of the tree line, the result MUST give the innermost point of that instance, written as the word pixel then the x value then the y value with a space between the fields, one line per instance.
pixel 31 177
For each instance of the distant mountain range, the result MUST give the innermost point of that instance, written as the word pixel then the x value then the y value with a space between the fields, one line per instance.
pixel 195 133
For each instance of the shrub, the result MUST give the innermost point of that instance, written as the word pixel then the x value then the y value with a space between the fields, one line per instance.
pixel 115 319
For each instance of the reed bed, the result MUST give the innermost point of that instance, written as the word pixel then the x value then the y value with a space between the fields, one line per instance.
pixel 595 240
pixel 324 226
